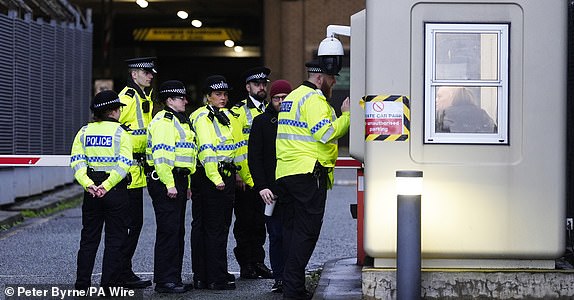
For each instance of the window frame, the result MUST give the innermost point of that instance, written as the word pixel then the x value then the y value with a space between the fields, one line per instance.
pixel 501 83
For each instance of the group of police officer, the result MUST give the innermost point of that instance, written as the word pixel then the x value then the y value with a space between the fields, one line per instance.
pixel 127 148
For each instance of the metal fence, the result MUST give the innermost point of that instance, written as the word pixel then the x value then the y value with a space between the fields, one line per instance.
pixel 45 84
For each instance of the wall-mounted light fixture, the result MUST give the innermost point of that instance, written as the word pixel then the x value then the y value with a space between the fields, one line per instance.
pixel 142 3
pixel 196 23
pixel 182 14
pixel 409 190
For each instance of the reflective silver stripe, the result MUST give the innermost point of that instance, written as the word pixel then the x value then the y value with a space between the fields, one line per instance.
pixel 248 114
pixel 300 103
pixel 295 137
pixel 187 159
pixel 139 113
pixel 218 132
pixel 180 130
pixel 163 160
pixel 82 138
pixel 197 118
pixel 240 158
pixel 79 166
pixel 108 169
pixel 117 139
pixel 209 159
pixel 327 135
pixel 149 157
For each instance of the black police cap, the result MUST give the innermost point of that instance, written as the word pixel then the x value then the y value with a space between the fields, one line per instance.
pixel 258 74
pixel 313 67
pixel 105 100
pixel 171 88
pixel 146 63
pixel 215 83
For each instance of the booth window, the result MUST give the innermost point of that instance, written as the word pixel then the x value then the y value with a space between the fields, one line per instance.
pixel 466 83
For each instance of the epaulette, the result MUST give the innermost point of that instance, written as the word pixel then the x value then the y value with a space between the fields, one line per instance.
pixel 240 103
pixel 236 115
pixel 126 127
pixel 130 92
pixel 168 116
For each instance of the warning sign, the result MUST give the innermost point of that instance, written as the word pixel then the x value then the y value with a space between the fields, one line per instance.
pixel 387 117
pixel 383 118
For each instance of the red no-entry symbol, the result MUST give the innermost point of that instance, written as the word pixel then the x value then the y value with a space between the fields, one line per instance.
pixel 378 106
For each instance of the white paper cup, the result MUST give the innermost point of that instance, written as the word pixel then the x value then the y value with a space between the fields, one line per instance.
pixel 269 209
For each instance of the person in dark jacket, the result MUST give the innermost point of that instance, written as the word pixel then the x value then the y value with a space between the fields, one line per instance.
pixel 262 162
pixel 460 114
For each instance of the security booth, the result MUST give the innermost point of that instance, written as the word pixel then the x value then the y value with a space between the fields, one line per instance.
pixel 473 94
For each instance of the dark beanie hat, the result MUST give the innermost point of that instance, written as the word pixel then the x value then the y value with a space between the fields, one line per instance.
pixel 280 87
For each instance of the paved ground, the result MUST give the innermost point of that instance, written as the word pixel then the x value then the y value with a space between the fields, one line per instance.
pixel 43 251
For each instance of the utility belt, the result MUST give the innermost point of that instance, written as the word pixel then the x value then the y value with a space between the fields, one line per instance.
pixel 227 169
pixel 100 176
pixel 177 173
pixel 140 159
pixel 321 173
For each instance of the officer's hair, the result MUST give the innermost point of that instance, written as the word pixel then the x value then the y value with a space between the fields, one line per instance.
pixel 99 115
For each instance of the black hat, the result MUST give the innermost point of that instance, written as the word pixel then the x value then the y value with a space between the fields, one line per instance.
pixel 104 100
pixel 258 74
pixel 146 63
pixel 313 67
pixel 171 88
pixel 215 83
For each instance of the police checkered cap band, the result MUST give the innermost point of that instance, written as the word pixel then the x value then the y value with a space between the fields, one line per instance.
pixel 256 77
pixel 219 86
pixel 314 70
pixel 178 91
pixel 142 65
pixel 98 105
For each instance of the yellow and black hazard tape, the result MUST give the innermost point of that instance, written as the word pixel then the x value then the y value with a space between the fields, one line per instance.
pixel 406 117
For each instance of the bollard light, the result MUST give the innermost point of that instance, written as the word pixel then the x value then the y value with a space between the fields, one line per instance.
pixel 409 190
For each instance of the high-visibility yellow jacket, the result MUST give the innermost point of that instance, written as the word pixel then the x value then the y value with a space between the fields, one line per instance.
pixel 171 144
pixel 219 143
pixel 246 111
pixel 136 114
pixel 105 147
pixel 307 132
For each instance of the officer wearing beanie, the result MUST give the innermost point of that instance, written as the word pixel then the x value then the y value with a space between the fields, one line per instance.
pixel 249 228
pixel 101 157
pixel 136 115
pixel 307 134
pixel 170 153
pixel 262 162
pixel 222 155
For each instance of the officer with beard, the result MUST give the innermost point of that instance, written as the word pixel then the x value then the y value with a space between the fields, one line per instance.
pixel 306 144
pixel 249 227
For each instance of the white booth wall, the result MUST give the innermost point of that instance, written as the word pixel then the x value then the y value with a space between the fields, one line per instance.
pixel 483 205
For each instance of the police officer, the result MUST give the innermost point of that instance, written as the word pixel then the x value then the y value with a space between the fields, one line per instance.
pixel 101 156
pixel 136 115
pixel 306 154
pixel 249 228
pixel 222 154
pixel 170 153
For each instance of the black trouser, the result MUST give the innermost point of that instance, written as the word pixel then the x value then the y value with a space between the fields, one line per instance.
pixel 111 210
pixel 212 211
pixel 275 230
pixel 170 231
pixel 249 227
pixel 135 223
pixel 302 207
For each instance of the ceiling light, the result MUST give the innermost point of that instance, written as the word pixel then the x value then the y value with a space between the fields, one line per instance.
pixel 229 43
pixel 238 49
pixel 182 14
pixel 142 3
pixel 196 23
